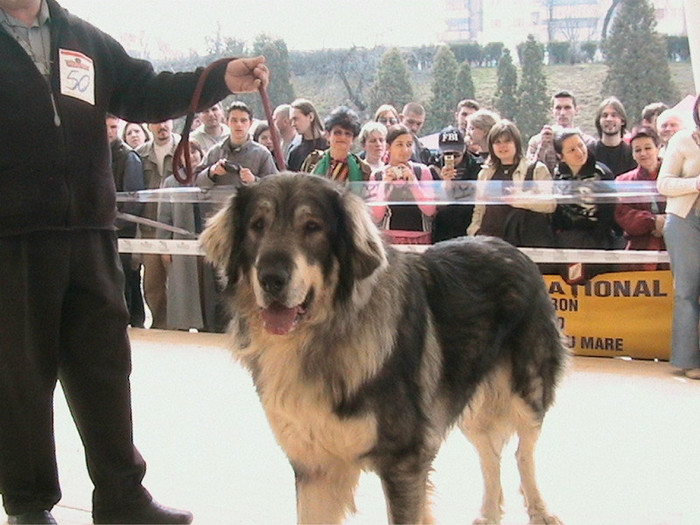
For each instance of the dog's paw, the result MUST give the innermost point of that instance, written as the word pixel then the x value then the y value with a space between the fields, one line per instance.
pixel 545 519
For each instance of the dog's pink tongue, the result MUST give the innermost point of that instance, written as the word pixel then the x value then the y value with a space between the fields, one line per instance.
pixel 279 319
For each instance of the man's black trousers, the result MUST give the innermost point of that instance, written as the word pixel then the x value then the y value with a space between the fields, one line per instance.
pixel 63 317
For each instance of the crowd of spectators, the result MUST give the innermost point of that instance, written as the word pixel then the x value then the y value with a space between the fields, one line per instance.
pixel 416 191
pixel 64 311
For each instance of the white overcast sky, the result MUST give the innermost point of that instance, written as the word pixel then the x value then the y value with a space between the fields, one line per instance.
pixel 182 25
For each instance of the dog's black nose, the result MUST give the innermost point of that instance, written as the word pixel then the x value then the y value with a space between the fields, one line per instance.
pixel 274 273
pixel 273 282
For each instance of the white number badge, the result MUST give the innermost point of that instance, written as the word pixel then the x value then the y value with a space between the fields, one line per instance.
pixel 77 75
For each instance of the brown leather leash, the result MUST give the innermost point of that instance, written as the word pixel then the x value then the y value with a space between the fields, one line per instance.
pixel 182 166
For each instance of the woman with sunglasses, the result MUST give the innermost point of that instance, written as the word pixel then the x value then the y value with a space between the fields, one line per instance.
pixel 386 114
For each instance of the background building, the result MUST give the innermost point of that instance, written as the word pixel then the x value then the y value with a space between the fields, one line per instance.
pixel 574 21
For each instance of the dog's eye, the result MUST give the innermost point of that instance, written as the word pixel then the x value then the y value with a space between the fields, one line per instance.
pixel 312 227
pixel 258 225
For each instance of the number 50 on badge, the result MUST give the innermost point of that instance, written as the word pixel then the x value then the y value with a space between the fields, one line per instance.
pixel 77 75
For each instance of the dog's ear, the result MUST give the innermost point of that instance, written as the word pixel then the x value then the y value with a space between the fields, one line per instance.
pixel 367 249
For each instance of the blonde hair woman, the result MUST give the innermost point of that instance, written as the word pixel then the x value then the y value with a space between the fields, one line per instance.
pixel 679 181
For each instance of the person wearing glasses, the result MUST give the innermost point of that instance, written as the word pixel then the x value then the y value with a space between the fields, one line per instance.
pixel 387 115
pixel 456 164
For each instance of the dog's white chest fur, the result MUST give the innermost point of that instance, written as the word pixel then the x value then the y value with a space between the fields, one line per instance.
pixel 301 415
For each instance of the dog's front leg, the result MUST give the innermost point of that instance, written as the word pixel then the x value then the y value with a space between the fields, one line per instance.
pixel 405 486
pixel 326 496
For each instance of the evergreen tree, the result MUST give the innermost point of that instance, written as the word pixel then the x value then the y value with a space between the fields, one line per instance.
pixel 465 83
pixel 505 100
pixel 533 102
pixel 492 53
pixel 280 88
pixel 444 99
pixel 638 71
pixel 393 82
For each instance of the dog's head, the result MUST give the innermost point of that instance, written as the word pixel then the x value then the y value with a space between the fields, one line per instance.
pixel 295 240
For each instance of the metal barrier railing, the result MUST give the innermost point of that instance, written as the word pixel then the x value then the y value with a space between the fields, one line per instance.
pixel 438 193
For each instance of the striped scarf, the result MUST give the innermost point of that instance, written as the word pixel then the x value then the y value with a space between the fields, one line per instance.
pixel 339 170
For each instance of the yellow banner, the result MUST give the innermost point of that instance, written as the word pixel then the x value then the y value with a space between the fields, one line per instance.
pixel 616 314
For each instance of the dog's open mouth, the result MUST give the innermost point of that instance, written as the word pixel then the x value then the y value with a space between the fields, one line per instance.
pixel 280 319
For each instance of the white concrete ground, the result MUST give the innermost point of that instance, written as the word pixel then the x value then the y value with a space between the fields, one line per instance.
pixel 621 446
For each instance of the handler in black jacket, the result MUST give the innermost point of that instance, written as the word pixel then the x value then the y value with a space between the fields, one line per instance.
pixel 62 310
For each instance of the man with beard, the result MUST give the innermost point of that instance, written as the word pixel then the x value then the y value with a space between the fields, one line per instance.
pixel 610 149
pixel 157 158
pixel 213 130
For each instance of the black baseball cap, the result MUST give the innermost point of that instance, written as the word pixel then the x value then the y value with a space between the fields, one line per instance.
pixel 451 140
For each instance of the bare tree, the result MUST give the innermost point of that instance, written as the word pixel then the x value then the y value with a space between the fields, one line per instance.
pixel 608 18
pixel 356 71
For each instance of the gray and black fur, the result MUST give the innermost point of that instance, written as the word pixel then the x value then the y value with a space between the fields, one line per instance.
pixel 383 351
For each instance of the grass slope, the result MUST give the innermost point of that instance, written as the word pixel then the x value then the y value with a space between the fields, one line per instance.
pixel 584 80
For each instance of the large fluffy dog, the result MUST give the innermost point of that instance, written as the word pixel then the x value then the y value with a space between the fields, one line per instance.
pixel 364 357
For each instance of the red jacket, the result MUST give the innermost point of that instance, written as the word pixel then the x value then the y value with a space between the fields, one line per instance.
pixel 638 219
